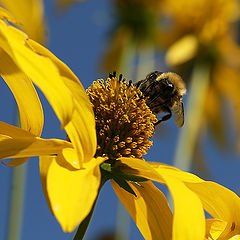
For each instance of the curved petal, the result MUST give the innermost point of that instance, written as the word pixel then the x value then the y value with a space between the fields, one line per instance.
pixel 139 167
pixel 189 218
pixel 39 69
pixel 18 143
pixel 175 172
pixel 30 108
pixel 4 14
pixel 81 129
pixel 72 193
pixel 44 164
pixel 149 210
pixel 217 200
pixel 220 202
pixel 30 14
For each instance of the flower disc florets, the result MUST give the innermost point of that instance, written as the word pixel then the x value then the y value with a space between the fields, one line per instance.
pixel 124 123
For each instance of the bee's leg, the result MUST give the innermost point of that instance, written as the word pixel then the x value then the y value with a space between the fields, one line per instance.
pixel 164 118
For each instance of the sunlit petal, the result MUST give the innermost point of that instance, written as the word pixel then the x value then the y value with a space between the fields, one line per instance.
pixel 220 202
pixel 39 69
pixel 44 164
pixel 217 200
pixel 149 210
pixel 30 15
pixel 30 108
pixel 139 167
pixel 81 129
pixel 72 193
pixel 16 142
pixel 189 218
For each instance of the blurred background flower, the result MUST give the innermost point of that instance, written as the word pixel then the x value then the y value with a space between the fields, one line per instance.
pixel 202 38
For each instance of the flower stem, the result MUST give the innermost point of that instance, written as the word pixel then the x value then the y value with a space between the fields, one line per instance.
pixel 84 225
pixel 82 228
pixel 17 202
pixel 194 109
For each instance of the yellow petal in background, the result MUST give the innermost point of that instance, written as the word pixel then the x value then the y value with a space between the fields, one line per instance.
pixel 30 108
pixel 182 50
pixel 149 210
pixel 39 69
pixel 72 193
pixel 4 14
pixel 30 15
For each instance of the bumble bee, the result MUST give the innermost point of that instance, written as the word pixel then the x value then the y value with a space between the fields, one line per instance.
pixel 164 92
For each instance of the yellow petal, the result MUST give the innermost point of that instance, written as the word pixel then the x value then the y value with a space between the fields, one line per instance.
pixel 220 202
pixel 81 129
pixel 182 50
pixel 72 193
pixel 217 200
pixel 175 173
pixel 18 143
pixel 4 14
pixel 30 108
pixel 44 164
pixel 139 167
pixel 39 69
pixel 189 218
pixel 82 133
pixel 214 228
pixel 30 13
pixel 149 210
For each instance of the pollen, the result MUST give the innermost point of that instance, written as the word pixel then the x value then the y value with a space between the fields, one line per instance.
pixel 124 123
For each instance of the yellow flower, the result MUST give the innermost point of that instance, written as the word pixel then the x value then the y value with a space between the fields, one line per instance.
pixel 107 137
pixel 29 15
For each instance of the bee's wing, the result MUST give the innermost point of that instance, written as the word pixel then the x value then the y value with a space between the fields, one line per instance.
pixel 178 113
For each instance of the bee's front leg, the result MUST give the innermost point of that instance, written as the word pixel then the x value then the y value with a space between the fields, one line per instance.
pixel 164 118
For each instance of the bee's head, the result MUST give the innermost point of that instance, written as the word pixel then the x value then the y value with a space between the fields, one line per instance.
pixel 172 83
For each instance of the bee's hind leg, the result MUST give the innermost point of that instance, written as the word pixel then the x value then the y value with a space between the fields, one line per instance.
pixel 164 118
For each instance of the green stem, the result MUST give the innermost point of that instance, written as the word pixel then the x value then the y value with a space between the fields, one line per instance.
pixel 17 202
pixel 18 183
pixel 194 109
pixel 84 225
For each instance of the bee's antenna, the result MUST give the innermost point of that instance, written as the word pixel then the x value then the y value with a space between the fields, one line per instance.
pixel 114 74
pixel 120 77
pixel 110 75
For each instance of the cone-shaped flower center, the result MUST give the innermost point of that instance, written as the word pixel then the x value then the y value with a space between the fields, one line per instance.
pixel 124 123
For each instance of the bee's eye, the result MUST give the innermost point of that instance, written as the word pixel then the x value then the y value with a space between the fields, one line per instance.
pixel 153 75
pixel 168 86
